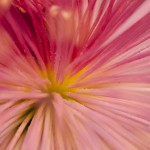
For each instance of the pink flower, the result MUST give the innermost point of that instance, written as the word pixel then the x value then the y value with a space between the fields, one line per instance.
pixel 74 75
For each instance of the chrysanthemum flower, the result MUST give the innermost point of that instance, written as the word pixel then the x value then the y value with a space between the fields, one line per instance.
pixel 74 75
